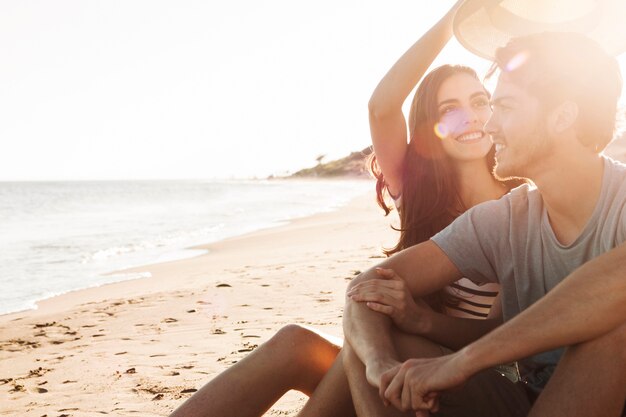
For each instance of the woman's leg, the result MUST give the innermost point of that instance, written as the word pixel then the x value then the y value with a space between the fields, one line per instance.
pixel 366 398
pixel 332 396
pixel 295 358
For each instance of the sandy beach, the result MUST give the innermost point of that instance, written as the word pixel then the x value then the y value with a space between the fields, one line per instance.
pixel 141 347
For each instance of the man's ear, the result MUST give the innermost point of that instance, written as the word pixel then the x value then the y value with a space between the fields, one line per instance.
pixel 563 116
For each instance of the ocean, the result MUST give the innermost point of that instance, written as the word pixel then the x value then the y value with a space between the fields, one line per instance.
pixel 57 237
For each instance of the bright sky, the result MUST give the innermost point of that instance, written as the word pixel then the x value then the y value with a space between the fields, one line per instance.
pixel 153 89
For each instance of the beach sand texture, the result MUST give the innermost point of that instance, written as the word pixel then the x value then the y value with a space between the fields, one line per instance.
pixel 139 348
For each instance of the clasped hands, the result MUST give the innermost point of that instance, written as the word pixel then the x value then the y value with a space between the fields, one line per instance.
pixel 416 383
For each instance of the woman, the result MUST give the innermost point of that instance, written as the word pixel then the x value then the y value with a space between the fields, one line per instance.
pixel 454 171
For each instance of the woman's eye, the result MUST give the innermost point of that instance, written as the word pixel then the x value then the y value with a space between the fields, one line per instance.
pixel 447 109
pixel 481 103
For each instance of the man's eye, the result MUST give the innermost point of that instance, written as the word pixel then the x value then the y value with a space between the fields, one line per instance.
pixel 501 108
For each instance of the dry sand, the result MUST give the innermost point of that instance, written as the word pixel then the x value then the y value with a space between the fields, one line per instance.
pixel 141 347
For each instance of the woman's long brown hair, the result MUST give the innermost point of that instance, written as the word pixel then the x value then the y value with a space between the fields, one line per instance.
pixel 431 197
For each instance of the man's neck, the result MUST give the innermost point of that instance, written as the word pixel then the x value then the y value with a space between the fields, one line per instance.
pixel 570 187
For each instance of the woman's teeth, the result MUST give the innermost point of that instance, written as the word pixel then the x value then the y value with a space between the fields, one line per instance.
pixel 470 136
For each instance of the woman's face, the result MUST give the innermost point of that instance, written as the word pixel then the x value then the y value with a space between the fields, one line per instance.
pixel 463 107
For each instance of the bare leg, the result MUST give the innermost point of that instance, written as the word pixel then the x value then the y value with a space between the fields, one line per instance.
pixel 590 380
pixel 487 394
pixel 295 358
pixel 366 400
pixel 332 394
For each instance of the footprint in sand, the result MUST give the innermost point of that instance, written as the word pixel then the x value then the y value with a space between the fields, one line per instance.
pixel 42 325
pixel 247 347
pixel 188 391
pixel 17 388
pixel 37 372
pixel 17 345
pixel 169 320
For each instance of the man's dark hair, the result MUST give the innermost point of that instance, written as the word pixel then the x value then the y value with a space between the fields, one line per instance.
pixel 556 67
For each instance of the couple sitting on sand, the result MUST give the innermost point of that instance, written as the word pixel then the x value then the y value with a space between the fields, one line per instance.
pixel 484 274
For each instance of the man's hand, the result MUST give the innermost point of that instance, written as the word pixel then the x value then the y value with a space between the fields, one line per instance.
pixel 417 383
pixel 390 295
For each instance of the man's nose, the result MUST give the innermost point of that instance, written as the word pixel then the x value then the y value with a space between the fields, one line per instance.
pixel 491 127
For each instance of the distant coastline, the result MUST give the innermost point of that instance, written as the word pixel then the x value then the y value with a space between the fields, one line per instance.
pixel 352 166
pixel 355 165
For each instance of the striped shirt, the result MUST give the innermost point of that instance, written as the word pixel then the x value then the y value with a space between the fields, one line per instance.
pixel 474 301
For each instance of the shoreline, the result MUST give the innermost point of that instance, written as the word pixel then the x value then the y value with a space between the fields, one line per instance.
pixel 140 346
pixel 183 253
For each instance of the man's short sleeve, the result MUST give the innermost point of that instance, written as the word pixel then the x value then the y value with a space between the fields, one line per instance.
pixel 621 234
pixel 477 238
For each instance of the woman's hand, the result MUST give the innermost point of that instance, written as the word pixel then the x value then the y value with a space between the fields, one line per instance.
pixel 390 295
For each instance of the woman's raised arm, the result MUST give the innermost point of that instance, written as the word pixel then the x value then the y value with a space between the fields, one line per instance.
pixel 387 123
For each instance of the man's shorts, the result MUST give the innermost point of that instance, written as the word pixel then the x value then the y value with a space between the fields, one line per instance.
pixel 488 394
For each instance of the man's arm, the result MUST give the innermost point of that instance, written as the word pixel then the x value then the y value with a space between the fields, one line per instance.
pixel 425 268
pixel 390 295
pixel 589 303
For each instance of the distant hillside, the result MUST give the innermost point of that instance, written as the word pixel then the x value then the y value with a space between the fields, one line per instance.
pixel 353 165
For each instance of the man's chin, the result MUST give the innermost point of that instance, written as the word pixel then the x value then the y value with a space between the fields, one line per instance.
pixel 505 173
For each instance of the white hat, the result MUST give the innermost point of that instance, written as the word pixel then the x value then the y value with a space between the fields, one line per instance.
pixel 482 26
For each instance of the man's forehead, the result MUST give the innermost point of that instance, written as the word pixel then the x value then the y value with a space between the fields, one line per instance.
pixel 505 88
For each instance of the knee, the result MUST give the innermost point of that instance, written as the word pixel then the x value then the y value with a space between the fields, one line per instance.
pixel 299 345
pixel 349 357
pixel 291 338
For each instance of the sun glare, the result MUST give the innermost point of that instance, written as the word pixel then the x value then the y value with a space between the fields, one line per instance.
pixel 337 341
pixel 517 61
pixel 441 130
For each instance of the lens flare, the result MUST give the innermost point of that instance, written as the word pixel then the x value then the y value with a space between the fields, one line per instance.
pixel 517 61
pixel 441 130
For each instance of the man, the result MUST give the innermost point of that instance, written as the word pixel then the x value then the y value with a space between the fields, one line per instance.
pixel 558 251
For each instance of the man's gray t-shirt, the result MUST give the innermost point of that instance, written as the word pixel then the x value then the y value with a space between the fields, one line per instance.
pixel 510 241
